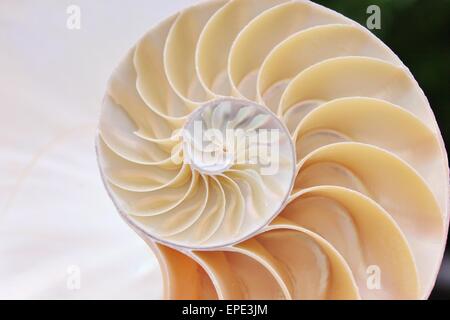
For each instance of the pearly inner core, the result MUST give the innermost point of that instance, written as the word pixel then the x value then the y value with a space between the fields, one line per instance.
pixel 228 132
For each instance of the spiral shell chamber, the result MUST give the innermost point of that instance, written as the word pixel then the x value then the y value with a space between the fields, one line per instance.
pixel 358 208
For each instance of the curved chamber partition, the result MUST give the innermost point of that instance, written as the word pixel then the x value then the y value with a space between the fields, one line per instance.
pixel 274 149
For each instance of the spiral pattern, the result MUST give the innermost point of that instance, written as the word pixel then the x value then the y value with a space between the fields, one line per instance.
pixel 358 205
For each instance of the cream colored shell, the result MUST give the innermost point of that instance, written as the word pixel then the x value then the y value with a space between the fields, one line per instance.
pixel 368 191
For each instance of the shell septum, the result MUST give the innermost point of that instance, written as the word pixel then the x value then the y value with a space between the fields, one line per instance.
pixel 287 153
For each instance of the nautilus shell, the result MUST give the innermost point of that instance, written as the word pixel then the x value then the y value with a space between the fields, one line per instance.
pixel 349 199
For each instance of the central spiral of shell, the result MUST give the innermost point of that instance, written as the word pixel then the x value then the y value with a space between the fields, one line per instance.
pixel 274 149
pixel 244 153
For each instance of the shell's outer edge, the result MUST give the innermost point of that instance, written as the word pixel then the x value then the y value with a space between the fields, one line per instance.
pixel 190 251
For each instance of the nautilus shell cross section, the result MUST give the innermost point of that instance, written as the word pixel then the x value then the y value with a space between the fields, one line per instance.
pixel 273 149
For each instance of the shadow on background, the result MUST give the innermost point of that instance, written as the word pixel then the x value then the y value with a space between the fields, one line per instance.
pixel 418 31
